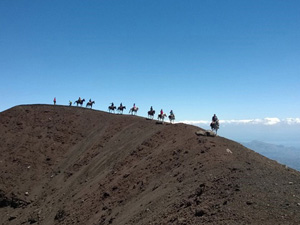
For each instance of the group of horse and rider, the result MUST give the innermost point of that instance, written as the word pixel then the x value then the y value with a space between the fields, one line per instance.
pixel 161 116
pixel 134 110
pixel 214 124
pixel 80 102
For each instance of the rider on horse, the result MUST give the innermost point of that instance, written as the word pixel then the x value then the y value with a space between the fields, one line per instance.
pixel 121 105
pixel 215 119
pixel 161 112
pixel 151 109
pixel 112 104
pixel 171 113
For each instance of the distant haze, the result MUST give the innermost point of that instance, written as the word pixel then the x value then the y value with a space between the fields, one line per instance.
pixel 274 138
pixel 271 130
pixel 289 156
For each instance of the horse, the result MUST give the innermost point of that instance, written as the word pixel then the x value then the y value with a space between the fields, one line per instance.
pixel 79 102
pixel 90 104
pixel 214 126
pixel 161 116
pixel 111 108
pixel 151 114
pixel 133 110
pixel 120 109
pixel 172 118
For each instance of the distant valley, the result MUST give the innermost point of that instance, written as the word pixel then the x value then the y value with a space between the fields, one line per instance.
pixel 289 156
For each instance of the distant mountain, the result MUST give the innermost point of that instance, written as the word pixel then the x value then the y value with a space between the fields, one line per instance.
pixel 289 156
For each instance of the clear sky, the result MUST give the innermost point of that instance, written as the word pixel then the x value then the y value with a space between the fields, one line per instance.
pixel 239 59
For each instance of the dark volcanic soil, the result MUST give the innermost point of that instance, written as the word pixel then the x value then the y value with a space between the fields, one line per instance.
pixel 70 165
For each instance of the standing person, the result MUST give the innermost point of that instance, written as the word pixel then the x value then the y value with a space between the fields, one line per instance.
pixel 54 100
pixel 70 103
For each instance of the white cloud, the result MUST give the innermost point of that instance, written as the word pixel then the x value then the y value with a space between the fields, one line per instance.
pixel 271 121
pixel 193 122
pixel 268 121
pixel 292 121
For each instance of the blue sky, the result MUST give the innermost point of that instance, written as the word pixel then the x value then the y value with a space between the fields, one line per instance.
pixel 236 58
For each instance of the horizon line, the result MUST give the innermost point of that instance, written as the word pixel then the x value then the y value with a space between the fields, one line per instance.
pixel 267 121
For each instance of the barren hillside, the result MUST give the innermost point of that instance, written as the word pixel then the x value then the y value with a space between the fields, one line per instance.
pixel 71 165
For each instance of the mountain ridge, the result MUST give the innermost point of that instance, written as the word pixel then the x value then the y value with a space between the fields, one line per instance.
pixel 289 156
pixel 71 165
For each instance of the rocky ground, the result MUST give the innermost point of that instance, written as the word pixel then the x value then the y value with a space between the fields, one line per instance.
pixel 71 165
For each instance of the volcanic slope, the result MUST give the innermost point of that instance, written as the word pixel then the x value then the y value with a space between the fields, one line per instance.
pixel 71 165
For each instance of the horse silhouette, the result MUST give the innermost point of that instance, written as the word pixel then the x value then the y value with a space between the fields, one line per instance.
pixel 133 110
pixel 151 114
pixel 214 126
pixel 120 109
pixel 111 108
pixel 90 104
pixel 172 118
pixel 161 116
pixel 79 102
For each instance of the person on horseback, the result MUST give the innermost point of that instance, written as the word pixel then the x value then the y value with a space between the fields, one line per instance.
pixel 214 118
pixel 134 106
pixel 90 100
pixel 151 109
pixel 214 125
pixel 112 104
pixel 79 99
pixel 171 113
pixel 121 105
pixel 161 112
